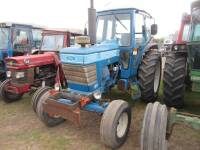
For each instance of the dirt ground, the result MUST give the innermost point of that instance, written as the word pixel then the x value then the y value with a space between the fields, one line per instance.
pixel 20 129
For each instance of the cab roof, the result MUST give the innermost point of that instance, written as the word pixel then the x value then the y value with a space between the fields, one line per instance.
pixel 121 10
pixel 62 31
pixel 13 24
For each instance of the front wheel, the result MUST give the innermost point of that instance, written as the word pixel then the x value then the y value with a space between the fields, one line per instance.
pixel 115 124
pixel 8 97
pixel 50 121
pixel 154 128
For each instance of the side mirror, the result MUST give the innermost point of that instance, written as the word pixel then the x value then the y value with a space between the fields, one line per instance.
pixel 154 29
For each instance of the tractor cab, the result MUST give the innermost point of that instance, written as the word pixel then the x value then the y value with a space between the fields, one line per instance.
pixel 194 47
pixel 183 34
pixel 54 40
pixel 131 30
pixel 17 40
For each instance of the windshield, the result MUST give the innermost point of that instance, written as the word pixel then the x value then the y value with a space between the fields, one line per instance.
pixel 4 34
pixel 52 42
pixel 196 25
pixel 116 26
pixel 186 32
pixel 37 36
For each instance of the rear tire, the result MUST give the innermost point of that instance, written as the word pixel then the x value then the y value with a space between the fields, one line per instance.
pixel 149 76
pixel 174 80
pixel 115 124
pixel 8 97
pixel 44 117
pixel 37 95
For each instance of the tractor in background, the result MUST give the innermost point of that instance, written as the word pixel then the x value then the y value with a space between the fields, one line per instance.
pixel 158 121
pixel 120 52
pixel 17 40
pixel 27 73
pixel 182 67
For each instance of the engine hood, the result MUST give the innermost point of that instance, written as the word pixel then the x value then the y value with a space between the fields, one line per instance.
pixel 104 46
pixel 87 55
pixel 30 61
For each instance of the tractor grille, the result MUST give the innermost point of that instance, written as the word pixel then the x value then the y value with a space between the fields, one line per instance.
pixel 23 80
pixel 85 75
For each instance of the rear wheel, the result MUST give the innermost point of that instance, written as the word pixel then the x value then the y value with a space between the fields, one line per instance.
pixel 153 135
pixel 8 97
pixel 44 117
pixel 37 95
pixel 115 124
pixel 150 75
pixel 174 80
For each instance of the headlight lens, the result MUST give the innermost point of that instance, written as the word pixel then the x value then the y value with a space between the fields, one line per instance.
pixel 57 87
pixel 19 75
pixel 176 47
pixel 97 95
pixel 8 74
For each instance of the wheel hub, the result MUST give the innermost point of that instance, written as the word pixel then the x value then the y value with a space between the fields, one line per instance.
pixel 122 124
pixel 157 77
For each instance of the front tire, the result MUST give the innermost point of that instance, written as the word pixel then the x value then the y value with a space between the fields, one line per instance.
pixel 154 128
pixel 8 97
pixel 44 117
pixel 37 95
pixel 149 76
pixel 174 80
pixel 115 124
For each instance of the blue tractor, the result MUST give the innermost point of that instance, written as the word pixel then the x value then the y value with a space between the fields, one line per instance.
pixel 17 40
pixel 123 56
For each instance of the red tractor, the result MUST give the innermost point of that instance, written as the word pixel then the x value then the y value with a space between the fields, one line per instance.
pixel 28 73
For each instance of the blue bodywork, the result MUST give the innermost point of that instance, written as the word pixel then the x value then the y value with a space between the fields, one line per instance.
pixel 106 53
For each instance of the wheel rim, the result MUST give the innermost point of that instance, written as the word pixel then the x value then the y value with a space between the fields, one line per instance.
pixel 157 77
pixel 122 125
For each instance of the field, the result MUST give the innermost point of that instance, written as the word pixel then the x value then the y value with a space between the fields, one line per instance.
pixel 20 129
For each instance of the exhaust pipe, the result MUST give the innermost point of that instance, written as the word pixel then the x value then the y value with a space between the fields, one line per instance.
pixel 92 22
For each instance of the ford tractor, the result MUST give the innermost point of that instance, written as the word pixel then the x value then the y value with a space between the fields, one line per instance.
pixel 121 53
pixel 27 73
pixel 158 122
pixel 17 40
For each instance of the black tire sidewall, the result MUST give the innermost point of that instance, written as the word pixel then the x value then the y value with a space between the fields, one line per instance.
pixel 7 96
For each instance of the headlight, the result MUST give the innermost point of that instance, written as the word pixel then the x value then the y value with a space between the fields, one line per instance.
pixel 176 47
pixel 8 74
pixel 57 87
pixel 97 95
pixel 19 75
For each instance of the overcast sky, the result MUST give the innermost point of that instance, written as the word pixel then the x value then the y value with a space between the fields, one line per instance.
pixel 73 13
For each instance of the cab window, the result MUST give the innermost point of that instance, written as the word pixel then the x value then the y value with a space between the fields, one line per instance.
pixel 21 41
pixel 139 24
